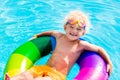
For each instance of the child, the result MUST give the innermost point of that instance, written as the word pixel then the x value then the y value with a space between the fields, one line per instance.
pixel 67 51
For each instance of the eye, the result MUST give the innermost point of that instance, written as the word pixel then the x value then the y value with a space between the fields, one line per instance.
pixel 79 29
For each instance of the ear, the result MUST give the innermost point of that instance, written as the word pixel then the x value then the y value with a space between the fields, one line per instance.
pixel 83 33
pixel 64 27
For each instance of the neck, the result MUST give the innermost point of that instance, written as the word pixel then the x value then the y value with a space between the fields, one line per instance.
pixel 69 40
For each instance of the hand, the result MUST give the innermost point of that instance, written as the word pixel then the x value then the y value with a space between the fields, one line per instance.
pixel 35 36
pixel 7 77
pixel 109 69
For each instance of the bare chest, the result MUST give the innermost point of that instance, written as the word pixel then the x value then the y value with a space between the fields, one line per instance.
pixel 64 55
pixel 69 49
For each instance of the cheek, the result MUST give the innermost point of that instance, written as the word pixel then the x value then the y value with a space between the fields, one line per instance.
pixel 67 30
pixel 81 33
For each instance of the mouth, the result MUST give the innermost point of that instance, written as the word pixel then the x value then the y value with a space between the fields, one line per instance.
pixel 73 34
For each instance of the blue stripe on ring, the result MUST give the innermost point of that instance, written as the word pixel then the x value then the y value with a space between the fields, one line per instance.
pixel 53 41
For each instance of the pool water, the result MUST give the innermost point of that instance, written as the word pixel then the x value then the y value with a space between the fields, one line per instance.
pixel 21 19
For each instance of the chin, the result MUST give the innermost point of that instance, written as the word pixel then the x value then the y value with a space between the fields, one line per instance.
pixel 72 38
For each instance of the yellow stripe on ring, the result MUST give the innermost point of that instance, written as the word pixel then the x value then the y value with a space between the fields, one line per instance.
pixel 18 63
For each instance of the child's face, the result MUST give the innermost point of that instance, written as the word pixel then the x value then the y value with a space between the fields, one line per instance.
pixel 74 32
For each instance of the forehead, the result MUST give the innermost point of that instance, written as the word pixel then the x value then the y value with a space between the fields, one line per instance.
pixel 75 25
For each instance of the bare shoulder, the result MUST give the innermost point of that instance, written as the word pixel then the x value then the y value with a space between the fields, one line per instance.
pixel 83 43
pixel 89 46
pixel 57 34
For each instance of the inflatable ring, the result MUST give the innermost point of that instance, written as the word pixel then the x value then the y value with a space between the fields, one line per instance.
pixel 92 65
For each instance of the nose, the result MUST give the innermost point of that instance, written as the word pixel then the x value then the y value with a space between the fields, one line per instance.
pixel 74 30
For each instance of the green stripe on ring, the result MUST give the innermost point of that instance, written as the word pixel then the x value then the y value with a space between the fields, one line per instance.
pixel 44 44
pixel 30 50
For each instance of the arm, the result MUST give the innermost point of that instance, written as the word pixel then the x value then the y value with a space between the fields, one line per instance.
pixel 48 33
pixel 101 51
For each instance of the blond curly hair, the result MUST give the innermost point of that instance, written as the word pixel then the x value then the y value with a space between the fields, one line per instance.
pixel 80 17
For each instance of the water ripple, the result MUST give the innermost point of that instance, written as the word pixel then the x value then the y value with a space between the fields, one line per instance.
pixel 21 19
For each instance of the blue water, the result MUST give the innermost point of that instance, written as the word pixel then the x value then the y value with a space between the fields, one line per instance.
pixel 21 19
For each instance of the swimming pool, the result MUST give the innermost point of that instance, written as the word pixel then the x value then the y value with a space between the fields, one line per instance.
pixel 20 20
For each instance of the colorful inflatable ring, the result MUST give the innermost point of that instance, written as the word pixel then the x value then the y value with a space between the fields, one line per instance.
pixel 92 66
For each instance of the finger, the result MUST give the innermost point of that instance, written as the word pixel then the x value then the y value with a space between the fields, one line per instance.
pixel 108 68
pixel 32 38
pixel 108 73
pixel 7 77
